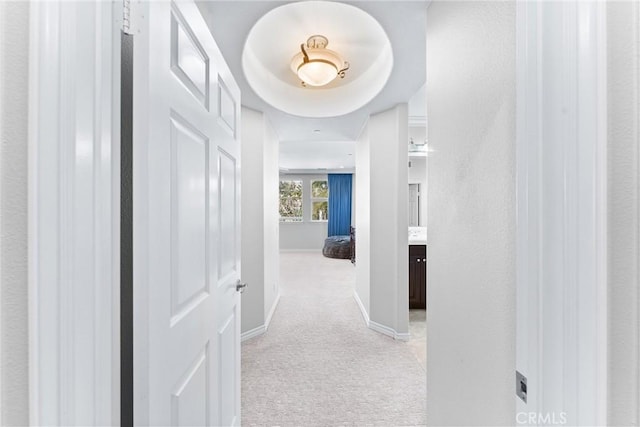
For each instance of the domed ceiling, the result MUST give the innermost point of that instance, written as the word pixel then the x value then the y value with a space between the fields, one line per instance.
pixel 361 31
pixel 353 33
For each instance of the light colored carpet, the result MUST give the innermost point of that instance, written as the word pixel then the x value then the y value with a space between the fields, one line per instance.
pixel 418 332
pixel 318 364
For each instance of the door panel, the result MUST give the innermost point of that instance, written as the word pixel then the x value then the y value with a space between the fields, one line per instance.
pixel 227 108
pixel 227 191
pixel 228 380
pixel 189 400
pixel 186 223
pixel 189 62
pixel 189 205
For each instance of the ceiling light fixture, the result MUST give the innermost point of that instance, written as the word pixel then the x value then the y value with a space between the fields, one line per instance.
pixel 316 65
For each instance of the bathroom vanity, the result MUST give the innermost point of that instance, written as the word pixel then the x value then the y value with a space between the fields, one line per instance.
pixel 418 267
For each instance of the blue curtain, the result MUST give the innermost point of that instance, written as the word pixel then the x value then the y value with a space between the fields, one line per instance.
pixel 339 204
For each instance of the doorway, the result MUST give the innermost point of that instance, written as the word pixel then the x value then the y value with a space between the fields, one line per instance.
pixel 65 327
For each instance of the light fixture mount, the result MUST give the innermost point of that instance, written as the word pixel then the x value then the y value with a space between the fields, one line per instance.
pixel 315 65
pixel 317 42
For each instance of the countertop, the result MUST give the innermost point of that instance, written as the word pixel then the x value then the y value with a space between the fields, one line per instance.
pixel 417 235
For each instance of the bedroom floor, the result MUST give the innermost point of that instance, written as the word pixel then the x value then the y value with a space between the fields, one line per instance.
pixel 318 364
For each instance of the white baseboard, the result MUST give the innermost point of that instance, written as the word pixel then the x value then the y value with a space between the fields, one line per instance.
pixel 262 328
pixel 252 333
pixel 388 331
pixel 385 330
pixel 377 326
pixel 273 310
pixel 319 250
pixel 405 336
pixel 365 315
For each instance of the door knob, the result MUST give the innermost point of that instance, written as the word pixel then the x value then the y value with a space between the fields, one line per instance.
pixel 240 286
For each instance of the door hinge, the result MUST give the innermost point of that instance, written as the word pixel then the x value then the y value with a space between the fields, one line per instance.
pixel 129 17
pixel 126 16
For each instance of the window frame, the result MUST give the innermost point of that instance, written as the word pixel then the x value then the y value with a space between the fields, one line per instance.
pixel 318 199
pixel 291 220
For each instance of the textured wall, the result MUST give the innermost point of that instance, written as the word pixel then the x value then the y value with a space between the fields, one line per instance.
pixel 362 223
pixel 260 238
pixel 471 220
pixel 252 219
pixel 624 213
pixel 14 51
pixel 389 251
pixel 271 202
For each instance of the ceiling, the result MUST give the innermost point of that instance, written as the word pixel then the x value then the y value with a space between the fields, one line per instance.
pixel 308 138
pixel 353 33
pixel 339 156
pixel 317 156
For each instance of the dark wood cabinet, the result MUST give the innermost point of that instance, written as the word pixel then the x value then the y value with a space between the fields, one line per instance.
pixel 417 276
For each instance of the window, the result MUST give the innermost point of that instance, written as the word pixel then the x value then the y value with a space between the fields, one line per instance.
pixel 291 201
pixel 319 200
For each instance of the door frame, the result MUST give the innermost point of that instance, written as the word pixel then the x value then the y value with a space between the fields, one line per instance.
pixel 561 211
pixel 74 212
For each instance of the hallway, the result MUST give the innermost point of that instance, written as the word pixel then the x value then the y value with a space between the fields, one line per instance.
pixel 318 364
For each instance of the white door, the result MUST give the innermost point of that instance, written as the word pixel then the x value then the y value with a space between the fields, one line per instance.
pixel 186 172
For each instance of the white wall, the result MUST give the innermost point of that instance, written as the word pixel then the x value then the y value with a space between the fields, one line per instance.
pixel 418 175
pixel 14 74
pixel 253 219
pixel 388 210
pixel 353 198
pixel 624 212
pixel 271 221
pixel 305 235
pixel 417 133
pixel 260 254
pixel 362 186
pixel 471 219
pixel 418 169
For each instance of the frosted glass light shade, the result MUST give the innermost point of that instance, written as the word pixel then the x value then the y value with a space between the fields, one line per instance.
pixel 317 73
pixel 321 67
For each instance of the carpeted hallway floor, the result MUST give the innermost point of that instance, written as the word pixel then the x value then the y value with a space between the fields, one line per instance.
pixel 318 364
